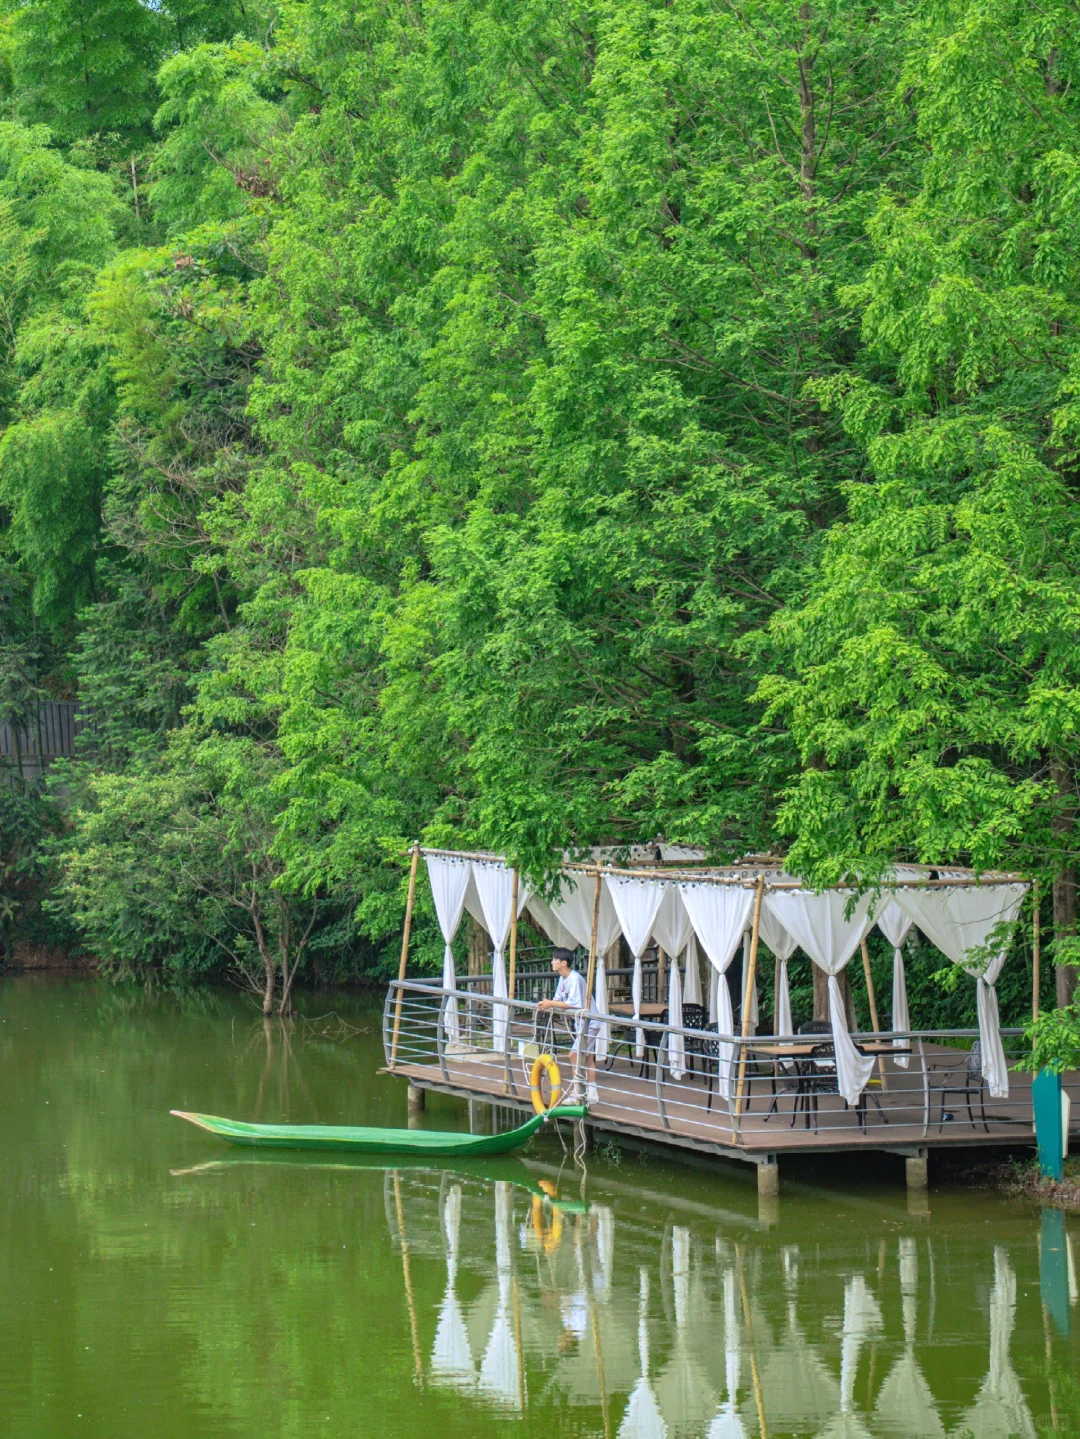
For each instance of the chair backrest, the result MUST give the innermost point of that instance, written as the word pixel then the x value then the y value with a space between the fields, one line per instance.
pixel 694 1016
pixel 815 1026
pixel 974 1059
pixel 823 1051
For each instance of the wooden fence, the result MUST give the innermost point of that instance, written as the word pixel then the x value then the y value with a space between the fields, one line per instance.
pixel 27 750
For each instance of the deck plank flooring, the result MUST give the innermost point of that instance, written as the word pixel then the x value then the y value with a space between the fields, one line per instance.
pixel 628 1104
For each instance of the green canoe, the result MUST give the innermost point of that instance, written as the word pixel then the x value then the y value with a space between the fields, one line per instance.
pixel 428 1142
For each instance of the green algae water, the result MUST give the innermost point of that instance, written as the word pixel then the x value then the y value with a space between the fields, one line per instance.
pixel 157 1283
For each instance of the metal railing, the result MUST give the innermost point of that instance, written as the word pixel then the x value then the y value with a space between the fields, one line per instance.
pixel 709 1087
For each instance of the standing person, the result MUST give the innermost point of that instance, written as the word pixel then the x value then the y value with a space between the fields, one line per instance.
pixel 570 994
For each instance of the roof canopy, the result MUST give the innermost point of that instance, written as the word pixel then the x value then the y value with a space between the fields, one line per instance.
pixel 654 892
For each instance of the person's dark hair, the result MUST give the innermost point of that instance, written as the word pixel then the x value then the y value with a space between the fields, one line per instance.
pixel 566 955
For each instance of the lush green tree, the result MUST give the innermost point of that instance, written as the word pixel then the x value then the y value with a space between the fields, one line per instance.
pixel 88 67
pixel 934 686
pixel 85 67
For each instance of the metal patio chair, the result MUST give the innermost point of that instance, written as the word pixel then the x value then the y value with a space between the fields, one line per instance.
pixel 970 1086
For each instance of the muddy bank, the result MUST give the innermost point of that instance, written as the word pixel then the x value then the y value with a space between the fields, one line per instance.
pixel 41 957
pixel 1019 1178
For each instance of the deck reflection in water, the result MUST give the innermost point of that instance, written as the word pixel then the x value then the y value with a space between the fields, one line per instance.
pixel 670 1330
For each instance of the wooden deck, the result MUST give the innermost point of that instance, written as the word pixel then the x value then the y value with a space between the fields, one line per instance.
pixel 629 1105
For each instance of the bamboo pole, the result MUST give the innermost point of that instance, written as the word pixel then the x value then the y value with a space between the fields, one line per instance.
pixel 405 948
pixel 759 1396
pixel 516 1296
pixel 746 877
pixel 418 1363
pixel 512 979
pixel 748 989
pixel 1036 954
pixel 872 997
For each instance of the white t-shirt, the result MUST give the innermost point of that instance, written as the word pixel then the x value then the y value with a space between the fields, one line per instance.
pixel 571 990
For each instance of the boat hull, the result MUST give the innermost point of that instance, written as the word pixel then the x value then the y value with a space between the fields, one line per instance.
pixel 430 1143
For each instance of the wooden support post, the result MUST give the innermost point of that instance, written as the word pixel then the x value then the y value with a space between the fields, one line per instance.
pixel 512 978
pixel 776 996
pixel 1036 956
pixel 872 997
pixel 405 947
pixel 748 989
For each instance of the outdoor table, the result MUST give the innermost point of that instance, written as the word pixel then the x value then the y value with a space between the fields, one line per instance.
pixel 647 1011
pixel 801 1047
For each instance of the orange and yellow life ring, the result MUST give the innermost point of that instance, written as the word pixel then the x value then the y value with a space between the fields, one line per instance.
pixel 544 1064
pixel 546 1237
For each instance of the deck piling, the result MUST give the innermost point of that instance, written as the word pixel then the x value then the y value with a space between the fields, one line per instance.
pixel 916 1168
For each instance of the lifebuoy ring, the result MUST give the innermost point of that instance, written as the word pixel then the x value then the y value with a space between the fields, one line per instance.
pixel 544 1064
pixel 547 1237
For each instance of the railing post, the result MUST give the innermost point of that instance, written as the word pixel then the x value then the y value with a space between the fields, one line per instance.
pixel 661 1051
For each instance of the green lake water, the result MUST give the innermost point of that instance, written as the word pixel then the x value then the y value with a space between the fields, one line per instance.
pixel 156 1284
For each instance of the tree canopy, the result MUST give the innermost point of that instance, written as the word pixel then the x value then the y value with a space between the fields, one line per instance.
pixel 534 426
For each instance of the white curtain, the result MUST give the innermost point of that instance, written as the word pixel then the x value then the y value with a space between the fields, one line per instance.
pixel 451 1358
pixel 603 1038
pixel 672 930
pixel 819 925
pixel 719 913
pixel 449 880
pixel 552 925
pixel 493 888
pixel 728 1423
pixel 574 909
pixel 676 1043
pixel 568 923
pixel 894 925
pixel 783 947
pixel 862 1320
pixel 500 1366
pixel 960 919
pixel 637 903
pixel 642 1418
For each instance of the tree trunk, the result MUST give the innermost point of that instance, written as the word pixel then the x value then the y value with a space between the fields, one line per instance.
pixel 479 948
pixel 821 995
pixel 1064 887
pixel 1065 928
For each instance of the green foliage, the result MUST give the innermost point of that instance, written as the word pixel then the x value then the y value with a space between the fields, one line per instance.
pixel 533 426
pixel 1055 1040
pixel 931 678
pixel 86 66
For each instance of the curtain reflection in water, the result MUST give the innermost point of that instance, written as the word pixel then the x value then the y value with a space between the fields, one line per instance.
pixel 675 1330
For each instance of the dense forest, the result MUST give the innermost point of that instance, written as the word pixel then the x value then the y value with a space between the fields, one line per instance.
pixel 530 425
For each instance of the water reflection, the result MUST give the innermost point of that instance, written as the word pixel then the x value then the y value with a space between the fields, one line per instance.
pixel 667 1334
pixel 147 1270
